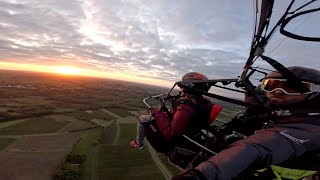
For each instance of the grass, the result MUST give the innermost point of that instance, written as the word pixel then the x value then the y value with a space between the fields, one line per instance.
pixel 136 113
pixel 86 143
pixel 9 123
pixel 90 164
pixel 123 162
pixel 66 118
pixel 32 100
pixel 60 110
pixel 98 114
pixel 128 133
pixel 119 111
pixel 78 125
pixel 4 142
pixel 109 133
pixel 38 125
pixel 224 116
pixel 87 146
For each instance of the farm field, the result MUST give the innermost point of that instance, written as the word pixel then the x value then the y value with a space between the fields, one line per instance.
pixel 29 165
pixel 38 125
pixel 4 142
pixel 124 162
pixel 35 157
pixel 46 119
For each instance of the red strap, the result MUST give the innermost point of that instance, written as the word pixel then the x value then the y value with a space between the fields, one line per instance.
pixel 214 112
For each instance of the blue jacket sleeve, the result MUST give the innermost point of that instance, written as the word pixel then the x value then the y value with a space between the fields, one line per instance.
pixel 265 147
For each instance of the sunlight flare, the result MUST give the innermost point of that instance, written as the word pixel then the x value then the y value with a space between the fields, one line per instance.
pixel 67 70
pixel 71 70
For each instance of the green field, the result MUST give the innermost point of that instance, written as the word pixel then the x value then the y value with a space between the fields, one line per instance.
pixel 121 161
pixel 38 125
pixel 122 112
pixel 4 142
pixel 87 146
pixel 96 114
pixel 224 116
pixel 124 162
pixel 39 100
pixel 86 143
pixel 10 123
pixel 77 126
pixel 109 133
pixel 128 133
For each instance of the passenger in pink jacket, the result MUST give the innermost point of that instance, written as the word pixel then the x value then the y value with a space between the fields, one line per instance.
pixel 190 110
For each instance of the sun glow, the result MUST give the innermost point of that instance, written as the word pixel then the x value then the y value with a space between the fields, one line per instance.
pixel 67 70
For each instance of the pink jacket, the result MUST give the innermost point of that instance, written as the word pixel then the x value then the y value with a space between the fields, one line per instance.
pixel 186 114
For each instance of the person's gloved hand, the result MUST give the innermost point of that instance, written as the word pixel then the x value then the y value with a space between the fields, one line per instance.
pixel 192 174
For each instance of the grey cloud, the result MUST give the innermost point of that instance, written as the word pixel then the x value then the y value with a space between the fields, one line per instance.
pixel 163 39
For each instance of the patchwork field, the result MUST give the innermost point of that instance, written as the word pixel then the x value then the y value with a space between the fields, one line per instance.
pixel 45 118
pixel 29 165
pixel 36 157
pixel 38 125
pixel 120 161
pixel 4 142
pixel 40 143
pixel 119 111
pixel 9 123
pixel 93 114
pixel 78 126
pixel 123 162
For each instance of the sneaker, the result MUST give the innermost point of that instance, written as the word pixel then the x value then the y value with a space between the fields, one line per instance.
pixel 136 145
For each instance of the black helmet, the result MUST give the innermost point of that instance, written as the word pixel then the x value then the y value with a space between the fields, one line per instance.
pixel 190 77
pixel 302 73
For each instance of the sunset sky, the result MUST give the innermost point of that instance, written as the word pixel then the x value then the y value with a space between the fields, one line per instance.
pixel 154 42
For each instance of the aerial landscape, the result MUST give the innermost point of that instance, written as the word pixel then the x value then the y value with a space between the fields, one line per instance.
pixel 74 126
pixel 60 124
pixel 76 75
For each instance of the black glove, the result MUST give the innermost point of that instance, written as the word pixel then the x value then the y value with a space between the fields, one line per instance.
pixel 192 174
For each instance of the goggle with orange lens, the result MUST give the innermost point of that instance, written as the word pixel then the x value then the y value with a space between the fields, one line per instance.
pixel 271 85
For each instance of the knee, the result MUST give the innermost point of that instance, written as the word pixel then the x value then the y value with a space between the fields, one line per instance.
pixel 140 119
pixel 144 118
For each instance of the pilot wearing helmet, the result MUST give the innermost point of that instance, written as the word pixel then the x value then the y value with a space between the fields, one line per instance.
pixel 191 109
pixel 294 133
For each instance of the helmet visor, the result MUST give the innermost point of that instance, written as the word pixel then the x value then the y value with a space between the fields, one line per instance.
pixel 271 85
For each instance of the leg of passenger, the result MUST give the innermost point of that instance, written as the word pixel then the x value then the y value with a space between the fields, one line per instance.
pixel 143 119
